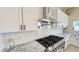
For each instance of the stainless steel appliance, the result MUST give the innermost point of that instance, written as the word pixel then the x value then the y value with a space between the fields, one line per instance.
pixel 52 43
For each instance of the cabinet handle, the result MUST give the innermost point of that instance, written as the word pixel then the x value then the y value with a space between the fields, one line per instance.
pixel 22 27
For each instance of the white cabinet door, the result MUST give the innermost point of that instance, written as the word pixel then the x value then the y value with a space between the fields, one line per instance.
pixel 62 18
pixel 31 15
pixel 74 40
pixel 77 40
pixel 9 19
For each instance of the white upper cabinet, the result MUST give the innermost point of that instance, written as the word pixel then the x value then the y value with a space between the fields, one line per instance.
pixel 59 16
pixel 9 19
pixel 31 15
pixel 62 18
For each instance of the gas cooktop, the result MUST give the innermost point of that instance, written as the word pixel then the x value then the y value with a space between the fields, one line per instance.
pixel 49 40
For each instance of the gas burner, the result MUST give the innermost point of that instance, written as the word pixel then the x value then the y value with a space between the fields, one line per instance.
pixel 49 40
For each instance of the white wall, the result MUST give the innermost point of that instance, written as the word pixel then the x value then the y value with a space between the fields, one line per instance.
pixel 74 15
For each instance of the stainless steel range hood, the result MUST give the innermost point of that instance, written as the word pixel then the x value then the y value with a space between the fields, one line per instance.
pixel 47 19
pixel 46 15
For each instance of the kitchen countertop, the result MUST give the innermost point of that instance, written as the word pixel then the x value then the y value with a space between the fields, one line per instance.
pixel 28 36
pixel 33 46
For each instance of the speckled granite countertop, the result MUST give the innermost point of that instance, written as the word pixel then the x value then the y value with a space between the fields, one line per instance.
pixel 26 47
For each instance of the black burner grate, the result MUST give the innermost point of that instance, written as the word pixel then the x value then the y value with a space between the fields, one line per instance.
pixel 49 41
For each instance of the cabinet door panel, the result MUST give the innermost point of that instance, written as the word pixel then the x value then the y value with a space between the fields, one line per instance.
pixel 74 40
pixel 62 18
pixel 9 19
pixel 31 15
